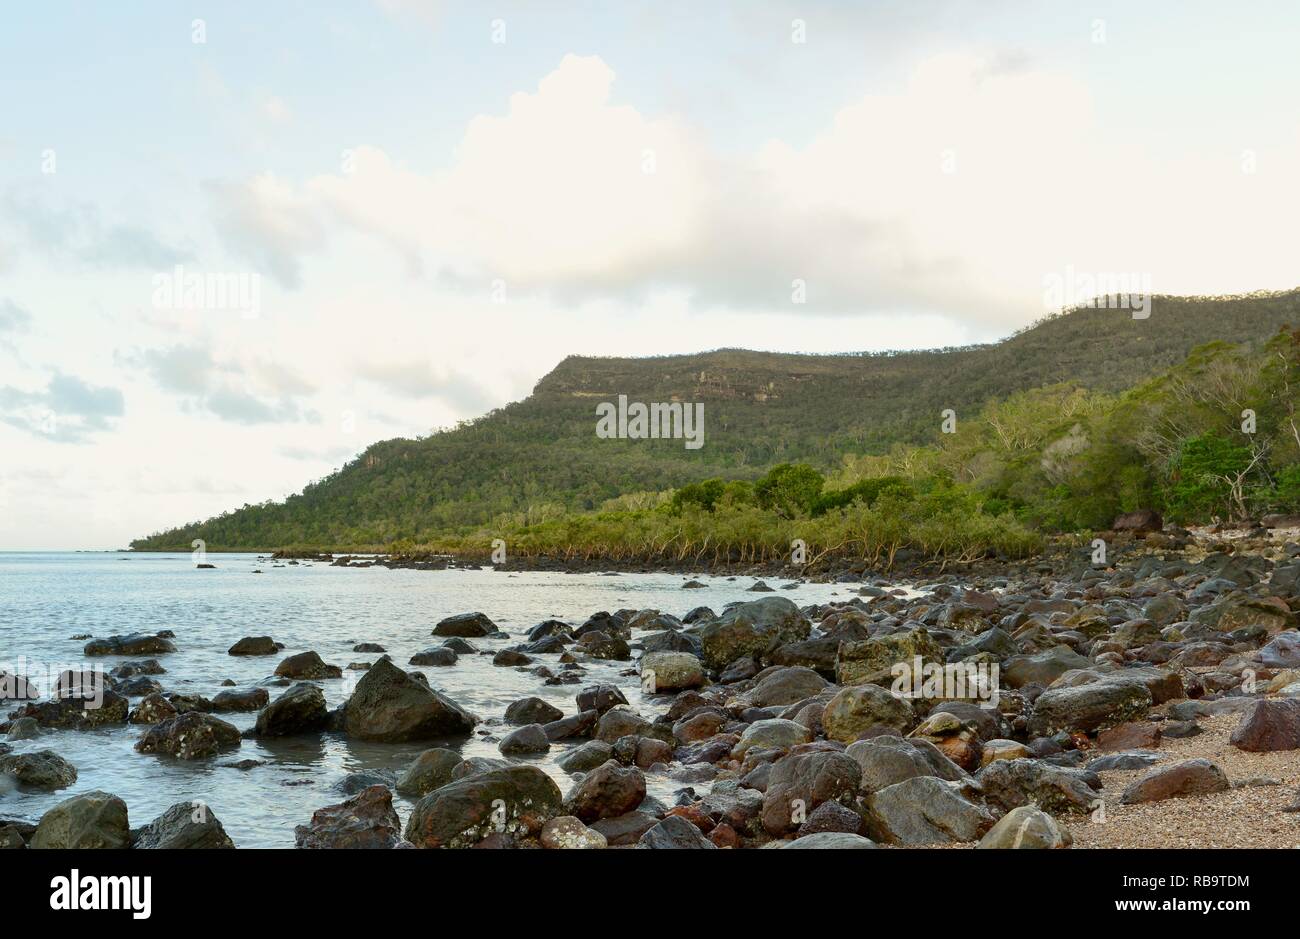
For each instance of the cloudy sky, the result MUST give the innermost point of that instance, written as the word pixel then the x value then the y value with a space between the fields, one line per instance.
pixel 241 241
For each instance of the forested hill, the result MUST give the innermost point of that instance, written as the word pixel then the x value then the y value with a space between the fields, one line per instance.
pixel 759 409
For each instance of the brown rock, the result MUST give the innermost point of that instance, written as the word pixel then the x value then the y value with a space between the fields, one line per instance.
pixel 1272 724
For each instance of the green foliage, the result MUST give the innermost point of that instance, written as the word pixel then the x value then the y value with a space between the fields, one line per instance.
pixel 789 490
pixel 1200 477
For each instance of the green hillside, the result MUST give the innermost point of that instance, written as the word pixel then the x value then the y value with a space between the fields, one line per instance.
pixel 761 409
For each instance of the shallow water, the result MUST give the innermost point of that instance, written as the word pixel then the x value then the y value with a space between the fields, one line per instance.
pixel 47 598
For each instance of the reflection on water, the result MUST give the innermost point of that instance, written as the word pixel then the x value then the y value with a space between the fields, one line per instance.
pixel 45 599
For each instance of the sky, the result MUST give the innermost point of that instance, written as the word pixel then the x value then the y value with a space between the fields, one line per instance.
pixel 240 242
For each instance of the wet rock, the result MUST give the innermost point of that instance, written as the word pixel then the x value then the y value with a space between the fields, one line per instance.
pixel 429 770
pixel 153 709
pixel 17 688
pixel 369 647
pixel 466 625
pixel 255 645
pixel 512 804
pixel 1272 724
pixel 625 829
pixel 186 825
pixel 773 733
pixel 133 644
pixel 392 707
pixel 832 816
pixel 1027 827
pixel 367 820
pixel 670 671
pixel 619 722
pixel 785 686
pixel 248 699
pixel 307 665
pixel 532 711
pixel 607 791
pixel 527 740
pixel 510 658
pixel 78 712
pixel 568 833
pixel 586 757
pixel 25 728
pixel 1189 778
pixel 575 725
pixel 600 698
pixel 870 660
pixel 856 709
pixel 299 710
pixel 801 782
pixel 754 628
pixel 93 819
pixel 438 656
pixel 190 736
pixel 742 669
pixel 42 769
pixel 460 646
pixel 675 833
pixel 600 645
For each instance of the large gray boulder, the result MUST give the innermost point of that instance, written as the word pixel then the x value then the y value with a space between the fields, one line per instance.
pixel 758 628
pixel 93 819
pixel 188 825
pixel 392 707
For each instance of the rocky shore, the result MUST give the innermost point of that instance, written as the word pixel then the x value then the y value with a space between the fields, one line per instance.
pixel 1150 701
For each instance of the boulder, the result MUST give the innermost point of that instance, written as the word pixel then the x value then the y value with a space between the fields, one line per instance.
pixel 1272 724
pixel 586 757
pixel 1042 668
pixel 871 660
pixel 607 791
pixel 133 644
pixel 1027 827
pixel 800 782
pixel 1139 522
pixel 1089 707
pixel 568 833
pixel 886 760
pixel 429 770
pixel 248 699
pixel 785 686
pixel 525 741
pixel 511 803
pixel 436 656
pixel 466 625
pixel 925 810
pixel 307 665
pixel 758 628
pixel 670 671
pixel 255 645
pixel 1010 784
pixel 392 707
pixel 1189 778
pixel 367 820
pixel 190 736
pixel 42 769
pixel 93 819
pixel 186 825
pixel 854 710
pixel 532 711
pixel 675 833
pixel 833 840
pixel 772 734
pixel 300 709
